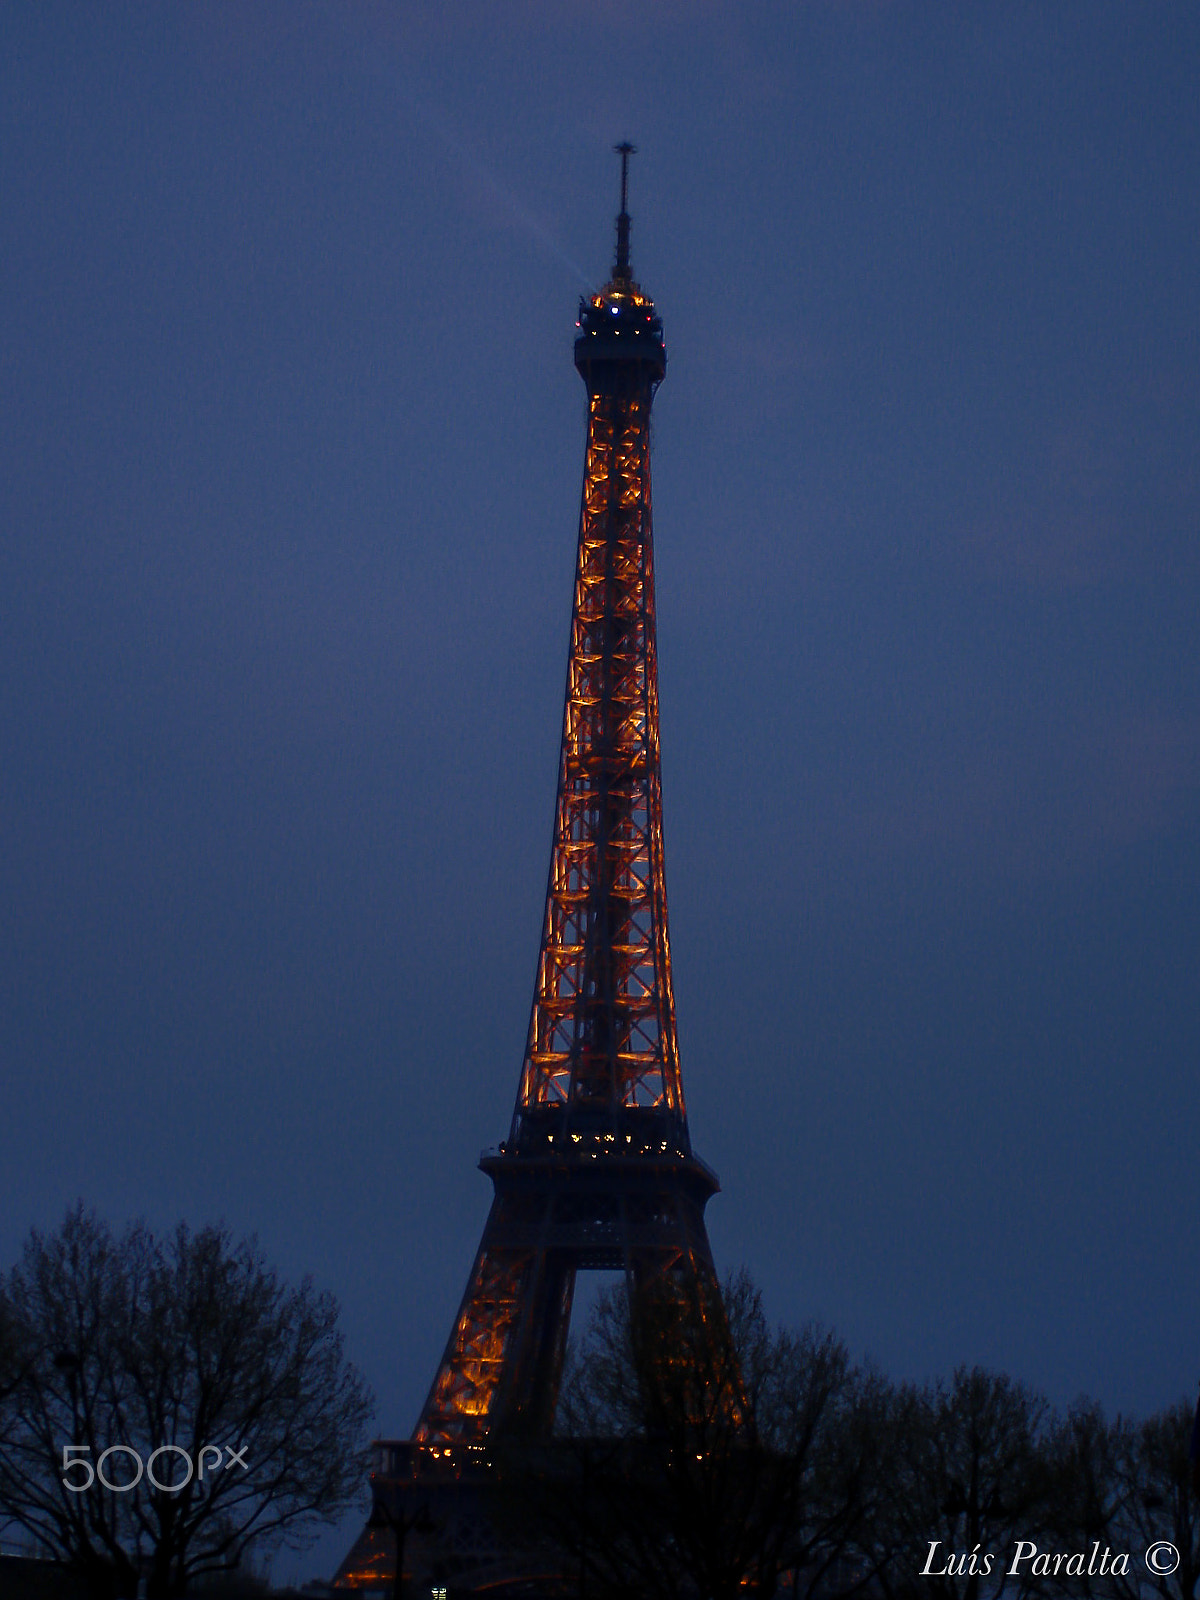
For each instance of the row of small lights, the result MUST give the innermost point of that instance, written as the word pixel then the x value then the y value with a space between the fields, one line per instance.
pixel 611 1138
pixel 604 1138
pixel 616 311
pixel 607 1138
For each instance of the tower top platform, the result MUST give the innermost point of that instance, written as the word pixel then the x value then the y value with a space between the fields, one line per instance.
pixel 620 341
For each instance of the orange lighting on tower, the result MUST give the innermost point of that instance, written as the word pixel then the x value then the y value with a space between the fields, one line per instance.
pixel 597 1171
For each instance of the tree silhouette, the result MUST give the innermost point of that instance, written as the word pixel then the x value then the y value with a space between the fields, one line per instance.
pixel 189 1343
pixel 705 1453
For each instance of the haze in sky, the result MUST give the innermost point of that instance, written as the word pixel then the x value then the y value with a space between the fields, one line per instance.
pixel 290 461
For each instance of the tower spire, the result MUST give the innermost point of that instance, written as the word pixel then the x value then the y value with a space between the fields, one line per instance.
pixel 598 1171
pixel 621 271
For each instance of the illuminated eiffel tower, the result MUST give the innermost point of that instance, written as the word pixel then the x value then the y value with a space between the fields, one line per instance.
pixel 597 1171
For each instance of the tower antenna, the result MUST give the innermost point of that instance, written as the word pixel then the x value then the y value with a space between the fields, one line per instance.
pixel 598 1171
pixel 621 270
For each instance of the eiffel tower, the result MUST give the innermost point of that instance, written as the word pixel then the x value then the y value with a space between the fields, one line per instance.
pixel 598 1170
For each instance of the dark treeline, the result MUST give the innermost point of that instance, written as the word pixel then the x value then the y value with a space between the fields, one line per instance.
pixel 171 1413
pixel 712 1455
pixel 700 1453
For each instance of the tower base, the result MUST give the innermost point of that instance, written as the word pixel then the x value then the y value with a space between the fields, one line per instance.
pixel 446 1510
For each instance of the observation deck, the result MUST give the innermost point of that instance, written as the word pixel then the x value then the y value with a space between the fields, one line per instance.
pixel 619 326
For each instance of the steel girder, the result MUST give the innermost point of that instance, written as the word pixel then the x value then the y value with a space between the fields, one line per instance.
pixel 598 1170
pixel 602 1036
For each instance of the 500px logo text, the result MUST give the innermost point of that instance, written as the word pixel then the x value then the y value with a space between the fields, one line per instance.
pixel 213 1457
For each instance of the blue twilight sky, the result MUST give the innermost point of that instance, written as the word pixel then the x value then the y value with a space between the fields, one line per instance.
pixel 289 470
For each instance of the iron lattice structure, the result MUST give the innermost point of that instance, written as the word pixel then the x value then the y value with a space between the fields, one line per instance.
pixel 602 1030
pixel 598 1169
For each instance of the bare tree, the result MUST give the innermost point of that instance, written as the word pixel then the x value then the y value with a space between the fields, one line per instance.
pixel 169 1407
pixel 1123 1502
pixel 1159 1505
pixel 965 1471
pixel 709 1453
pixel 1085 1453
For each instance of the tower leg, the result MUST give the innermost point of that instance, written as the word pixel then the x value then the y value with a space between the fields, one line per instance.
pixel 503 1362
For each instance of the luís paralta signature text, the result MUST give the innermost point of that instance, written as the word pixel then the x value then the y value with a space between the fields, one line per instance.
pixel 1025 1560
